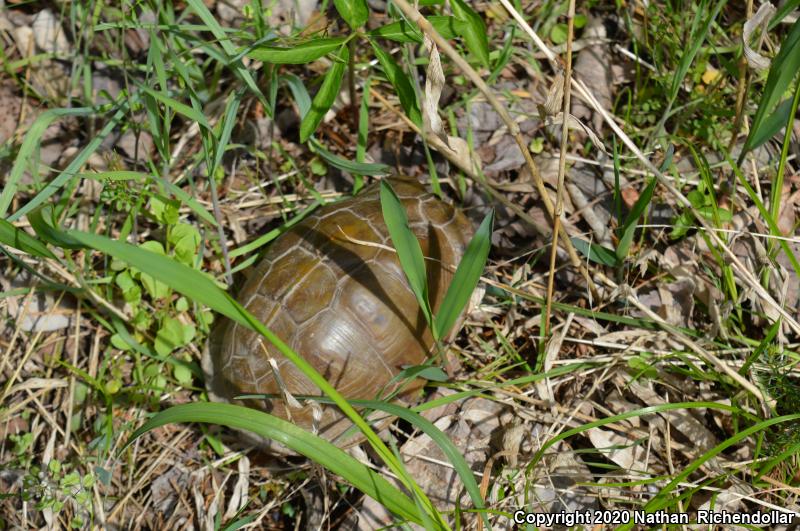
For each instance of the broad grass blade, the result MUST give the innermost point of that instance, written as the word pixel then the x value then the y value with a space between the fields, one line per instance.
pixel 296 55
pixel 202 289
pixel 402 31
pixel 354 12
pixel 407 246
pixel 299 92
pixel 357 168
pixel 325 97
pixel 301 441
pixel 785 68
pixel 594 252
pixel 473 29
pixel 400 82
pixel 449 449
pixel 19 239
pixel 466 278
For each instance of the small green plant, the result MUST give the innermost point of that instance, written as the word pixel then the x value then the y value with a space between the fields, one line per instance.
pixel 702 200
pixel 616 257
pixel 55 486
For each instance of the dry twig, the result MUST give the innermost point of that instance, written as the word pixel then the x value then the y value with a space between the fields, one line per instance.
pixel 562 164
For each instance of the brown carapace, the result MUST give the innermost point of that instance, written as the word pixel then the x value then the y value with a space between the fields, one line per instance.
pixel 332 288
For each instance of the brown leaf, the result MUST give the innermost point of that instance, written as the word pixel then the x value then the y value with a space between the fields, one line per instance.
pixel 555 96
pixel 434 82
pixel 757 23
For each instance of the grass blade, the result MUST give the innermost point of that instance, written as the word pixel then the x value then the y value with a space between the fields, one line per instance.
pixel 69 172
pixel 29 145
pixel 46 232
pixel 230 50
pixel 697 39
pixel 442 441
pixel 299 92
pixel 19 239
pixel 357 168
pixel 188 200
pixel 663 498
pixel 770 125
pixel 661 408
pixel 628 229
pixel 785 8
pixel 466 278
pixel 252 246
pixel 785 67
pixel 180 108
pixel 596 253
pixel 400 82
pixel 354 12
pixel 298 54
pixel 202 289
pixel 402 31
pixel 324 99
pixel 301 441
pixel 407 246
pixel 473 29
pixel 770 221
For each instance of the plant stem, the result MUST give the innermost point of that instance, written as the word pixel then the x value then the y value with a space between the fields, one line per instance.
pixel 351 82
pixel 562 168
pixel 777 185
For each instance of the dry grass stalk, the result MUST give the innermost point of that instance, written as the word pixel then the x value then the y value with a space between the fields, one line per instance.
pixel 562 165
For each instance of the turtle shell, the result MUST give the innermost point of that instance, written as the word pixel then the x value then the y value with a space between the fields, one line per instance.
pixel 332 288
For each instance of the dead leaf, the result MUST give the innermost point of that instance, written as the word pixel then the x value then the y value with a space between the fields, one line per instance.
pixel 757 22
pixel 673 301
pixel 555 96
pixel 507 156
pixel 625 452
pixel 786 217
pixel 434 83
pixel 239 495
pixel 698 436
pixel 471 429
pixel 162 489
pixel 43 314
pixel 576 125
pixel 561 487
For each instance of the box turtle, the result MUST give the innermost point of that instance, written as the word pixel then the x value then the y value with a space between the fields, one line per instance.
pixel 332 288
